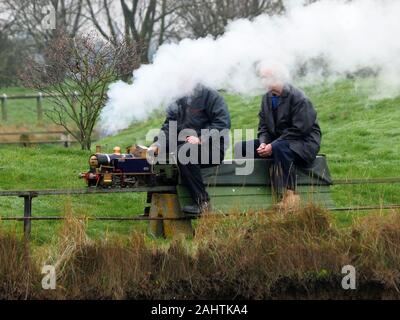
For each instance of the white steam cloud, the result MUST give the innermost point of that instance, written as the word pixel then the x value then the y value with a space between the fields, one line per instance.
pixel 346 36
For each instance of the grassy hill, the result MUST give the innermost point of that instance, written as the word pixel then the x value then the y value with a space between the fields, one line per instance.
pixel 360 137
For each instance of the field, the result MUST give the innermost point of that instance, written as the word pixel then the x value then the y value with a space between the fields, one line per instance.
pixel 360 138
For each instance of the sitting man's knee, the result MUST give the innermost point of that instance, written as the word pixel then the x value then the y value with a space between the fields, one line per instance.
pixel 280 146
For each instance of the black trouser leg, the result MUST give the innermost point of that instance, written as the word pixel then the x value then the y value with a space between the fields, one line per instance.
pixel 192 179
pixel 191 175
pixel 283 174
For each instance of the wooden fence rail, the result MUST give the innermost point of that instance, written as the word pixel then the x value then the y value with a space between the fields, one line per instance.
pixel 39 102
pixel 24 138
pixel 65 137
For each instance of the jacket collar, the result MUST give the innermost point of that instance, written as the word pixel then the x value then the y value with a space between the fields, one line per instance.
pixel 270 120
pixel 285 92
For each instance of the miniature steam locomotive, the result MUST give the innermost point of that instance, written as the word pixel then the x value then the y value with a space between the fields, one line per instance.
pixel 120 170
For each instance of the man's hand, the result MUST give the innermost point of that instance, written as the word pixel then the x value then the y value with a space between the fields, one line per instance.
pixel 153 150
pixel 152 153
pixel 265 150
pixel 193 140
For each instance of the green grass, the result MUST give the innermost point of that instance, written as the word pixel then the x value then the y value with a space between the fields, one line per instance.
pixel 361 138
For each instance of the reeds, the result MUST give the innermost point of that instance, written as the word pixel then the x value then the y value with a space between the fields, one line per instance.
pixel 255 256
pixel 19 275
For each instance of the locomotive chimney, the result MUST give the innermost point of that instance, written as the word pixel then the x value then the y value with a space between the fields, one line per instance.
pixel 98 149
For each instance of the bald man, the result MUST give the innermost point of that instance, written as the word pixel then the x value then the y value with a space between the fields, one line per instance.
pixel 288 132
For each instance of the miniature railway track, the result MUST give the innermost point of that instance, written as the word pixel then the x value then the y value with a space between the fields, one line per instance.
pixel 29 195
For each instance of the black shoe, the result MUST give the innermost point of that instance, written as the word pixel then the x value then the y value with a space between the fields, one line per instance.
pixel 196 209
pixel 193 209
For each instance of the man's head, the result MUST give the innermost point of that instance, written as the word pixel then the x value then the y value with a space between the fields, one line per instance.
pixel 273 76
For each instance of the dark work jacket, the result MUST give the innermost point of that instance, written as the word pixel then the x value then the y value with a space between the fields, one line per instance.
pixel 296 123
pixel 205 109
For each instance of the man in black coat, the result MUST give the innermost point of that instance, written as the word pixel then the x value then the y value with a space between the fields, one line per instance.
pixel 288 132
pixel 202 124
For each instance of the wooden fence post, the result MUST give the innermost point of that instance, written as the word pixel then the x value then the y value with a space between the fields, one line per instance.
pixel 39 107
pixel 66 139
pixel 28 213
pixel 4 107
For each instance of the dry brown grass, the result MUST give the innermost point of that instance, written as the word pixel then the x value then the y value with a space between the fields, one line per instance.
pixel 376 248
pixel 19 276
pixel 255 256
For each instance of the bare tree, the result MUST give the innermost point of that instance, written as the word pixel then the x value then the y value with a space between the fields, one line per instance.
pixel 28 18
pixel 210 17
pixel 143 21
pixel 7 19
pixel 12 49
pixel 79 71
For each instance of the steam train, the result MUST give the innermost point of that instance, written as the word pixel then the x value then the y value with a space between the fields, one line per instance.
pixel 128 170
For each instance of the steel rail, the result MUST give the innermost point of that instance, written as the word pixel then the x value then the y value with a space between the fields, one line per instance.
pixel 365 181
pixel 187 217
pixel 51 192
pixel 59 218
pixel 368 208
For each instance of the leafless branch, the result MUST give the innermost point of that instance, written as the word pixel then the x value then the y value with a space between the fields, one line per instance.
pixel 79 69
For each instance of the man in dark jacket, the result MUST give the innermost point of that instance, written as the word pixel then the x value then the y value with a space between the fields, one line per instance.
pixel 288 132
pixel 202 124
